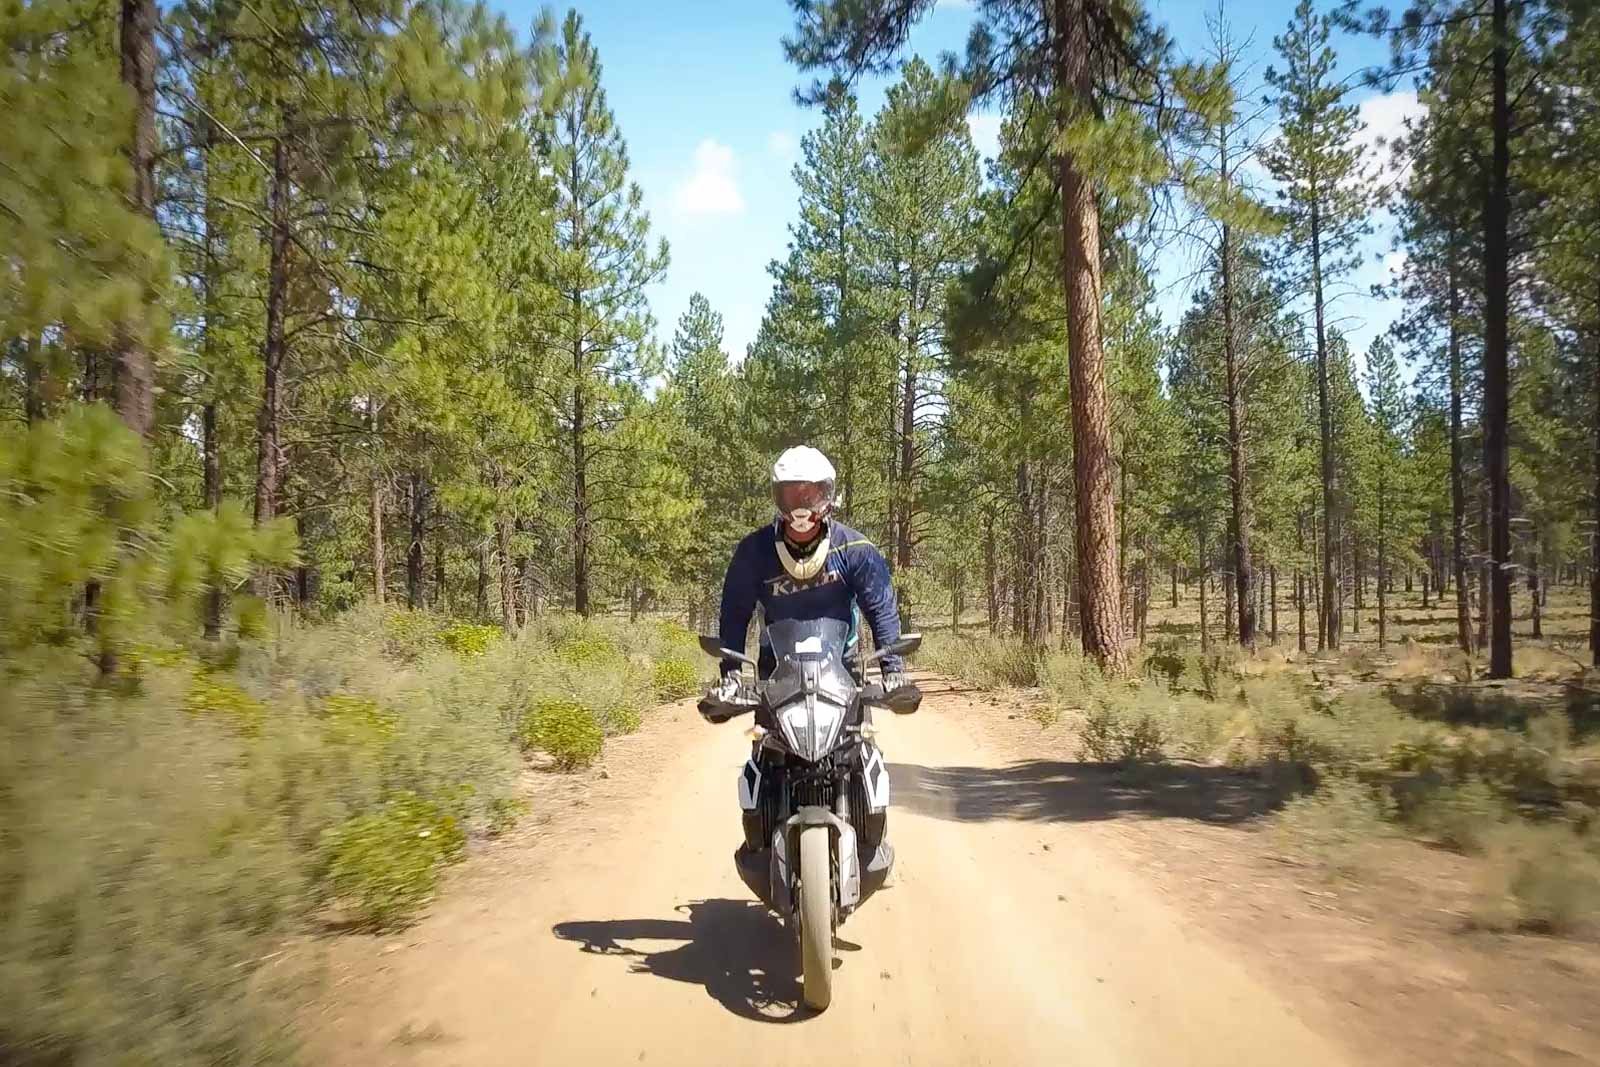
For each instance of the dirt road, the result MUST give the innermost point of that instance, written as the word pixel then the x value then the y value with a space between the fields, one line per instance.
pixel 618 932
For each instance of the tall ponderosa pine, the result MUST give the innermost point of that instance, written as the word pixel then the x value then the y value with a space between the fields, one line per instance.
pixel 1083 61
pixel 1223 142
pixel 600 266
pixel 1317 160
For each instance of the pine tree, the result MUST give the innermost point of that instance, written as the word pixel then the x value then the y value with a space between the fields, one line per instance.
pixel 1223 143
pixel 1084 60
pixel 601 263
pixel 1317 159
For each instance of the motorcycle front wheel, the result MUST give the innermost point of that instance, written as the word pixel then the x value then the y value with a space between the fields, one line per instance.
pixel 816 916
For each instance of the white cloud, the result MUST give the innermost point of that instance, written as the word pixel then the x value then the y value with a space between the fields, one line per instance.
pixel 1386 116
pixel 711 187
pixel 985 131
pixel 782 145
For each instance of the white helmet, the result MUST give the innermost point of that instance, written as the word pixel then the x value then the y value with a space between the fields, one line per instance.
pixel 802 488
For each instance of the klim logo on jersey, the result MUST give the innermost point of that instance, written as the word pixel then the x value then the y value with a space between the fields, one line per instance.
pixel 783 585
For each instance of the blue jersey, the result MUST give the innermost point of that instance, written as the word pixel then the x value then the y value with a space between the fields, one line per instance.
pixel 855 573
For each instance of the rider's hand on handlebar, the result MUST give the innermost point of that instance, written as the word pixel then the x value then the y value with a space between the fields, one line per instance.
pixel 725 700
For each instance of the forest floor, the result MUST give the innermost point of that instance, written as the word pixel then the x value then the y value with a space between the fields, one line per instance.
pixel 1043 910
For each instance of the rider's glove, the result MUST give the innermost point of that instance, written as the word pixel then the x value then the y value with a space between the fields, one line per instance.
pixel 729 689
pixel 720 703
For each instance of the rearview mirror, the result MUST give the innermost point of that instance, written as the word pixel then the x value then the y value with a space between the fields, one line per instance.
pixel 712 646
pixel 906 644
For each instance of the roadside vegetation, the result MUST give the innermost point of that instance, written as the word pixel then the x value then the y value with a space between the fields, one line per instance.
pixel 1357 748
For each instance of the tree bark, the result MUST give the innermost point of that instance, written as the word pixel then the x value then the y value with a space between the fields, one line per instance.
pixel 1485 606
pixel 1458 481
pixel 1205 622
pixel 380 576
pixel 482 601
pixel 1536 589
pixel 508 576
pixel 1329 624
pixel 1100 608
pixel 1272 577
pixel 1496 344
pixel 1383 573
pixel 211 475
pixel 272 348
pixel 1594 537
pixel 990 572
pixel 134 369
pixel 1239 520
pixel 418 500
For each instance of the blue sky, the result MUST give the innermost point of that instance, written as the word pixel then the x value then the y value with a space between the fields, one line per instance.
pixel 704 99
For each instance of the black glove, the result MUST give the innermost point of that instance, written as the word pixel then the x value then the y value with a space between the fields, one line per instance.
pixel 899 694
pixel 724 701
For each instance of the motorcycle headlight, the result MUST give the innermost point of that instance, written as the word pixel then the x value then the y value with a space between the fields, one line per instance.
pixel 811 726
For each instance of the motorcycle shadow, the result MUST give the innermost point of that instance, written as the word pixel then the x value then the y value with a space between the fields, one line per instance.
pixel 735 949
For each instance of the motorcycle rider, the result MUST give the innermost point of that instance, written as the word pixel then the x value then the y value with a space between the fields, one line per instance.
pixel 807 565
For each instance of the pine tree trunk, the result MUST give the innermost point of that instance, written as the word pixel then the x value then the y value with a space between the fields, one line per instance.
pixel 1100 610
pixel 272 348
pixel 1496 344
pixel 1383 574
pixel 1272 578
pixel 482 601
pixel 1594 537
pixel 1239 519
pixel 1485 607
pixel 1174 573
pixel 990 572
pixel 1227 607
pixel 1205 622
pixel 211 475
pixel 908 455
pixel 580 491
pixel 380 566
pixel 508 575
pixel 135 372
pixel 1328 625
pixel 438 600
pixel 1357 565
pixel 1536 590
pixel 33 406
pixel 418 499
pixel 1458 480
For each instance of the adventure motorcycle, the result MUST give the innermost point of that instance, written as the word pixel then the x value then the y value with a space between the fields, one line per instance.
pixel 822 812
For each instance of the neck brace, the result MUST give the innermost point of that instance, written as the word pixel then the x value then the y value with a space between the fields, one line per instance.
pixel 803 570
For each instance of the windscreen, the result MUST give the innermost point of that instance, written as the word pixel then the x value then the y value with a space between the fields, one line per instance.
pixel 808 639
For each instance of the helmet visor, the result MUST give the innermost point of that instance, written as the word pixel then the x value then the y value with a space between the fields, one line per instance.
pixel 814 497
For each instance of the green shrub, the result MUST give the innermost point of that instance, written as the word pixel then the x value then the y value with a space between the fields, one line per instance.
pixel 1097 736
pixel 620 720
pixel 210 696
pixel 385 865
pixel 1109 736
pixel 566 731
pixel 1460 817
pixel 1540 878
pixel 587 649
pixel 357 720
pixel 469 639
pixel 410 635
pixel 1332 826
pixel 674 679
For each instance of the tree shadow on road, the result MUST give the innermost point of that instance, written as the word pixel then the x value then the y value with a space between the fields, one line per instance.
pixel 1056 791
pixel 735 949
